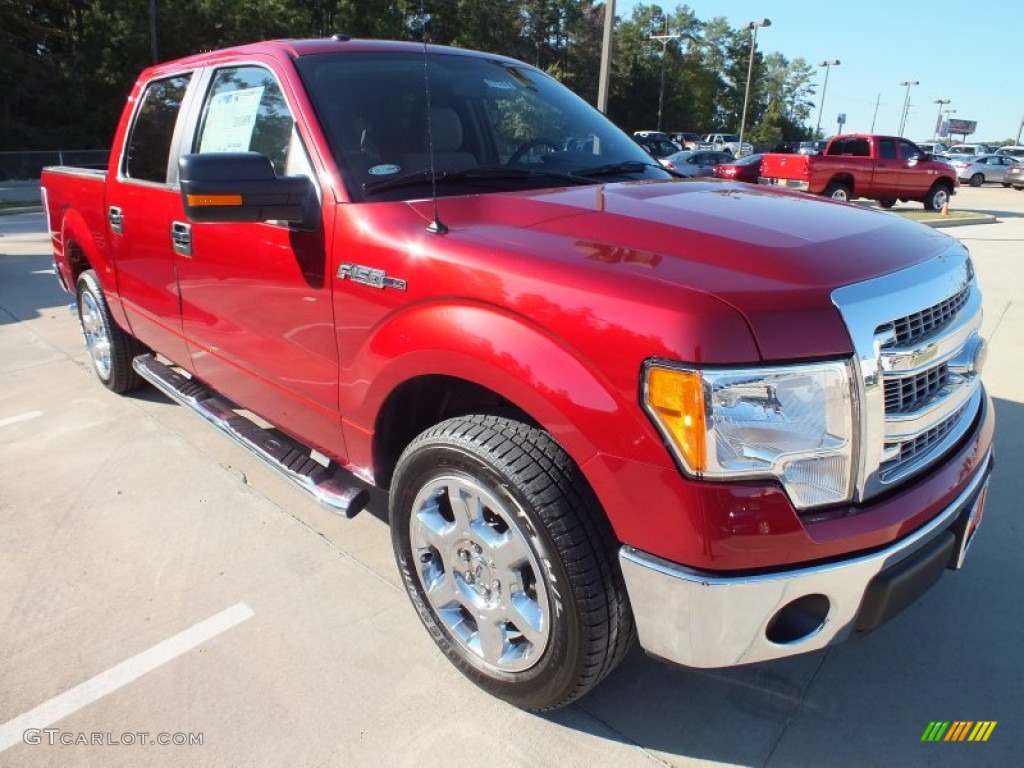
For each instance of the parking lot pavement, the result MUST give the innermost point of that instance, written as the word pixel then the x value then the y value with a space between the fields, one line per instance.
pixel 155 578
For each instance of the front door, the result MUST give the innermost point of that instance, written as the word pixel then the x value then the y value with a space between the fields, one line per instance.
pixel 256 297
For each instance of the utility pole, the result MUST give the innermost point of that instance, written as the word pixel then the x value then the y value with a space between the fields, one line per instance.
pixel 938 119
pixel 752 26
pixel 664 50
pixel 878 101
pixel 154 48
pixel 606 56
pixel 906 103
pixel 827 64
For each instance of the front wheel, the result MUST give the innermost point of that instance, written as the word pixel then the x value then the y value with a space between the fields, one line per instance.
pixel 509 560
pixel 110 349
pixel 887 202
pixel 838 191
pixel 976 180
pixel 937 197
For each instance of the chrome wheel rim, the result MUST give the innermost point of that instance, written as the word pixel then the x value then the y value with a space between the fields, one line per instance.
pixel 97 338
pixel 840 194
pixel 480 574
pixel 941 198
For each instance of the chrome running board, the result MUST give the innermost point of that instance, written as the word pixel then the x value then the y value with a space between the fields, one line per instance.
pixel 329 485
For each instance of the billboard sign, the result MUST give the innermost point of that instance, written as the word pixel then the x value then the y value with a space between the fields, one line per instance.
pixel 964 127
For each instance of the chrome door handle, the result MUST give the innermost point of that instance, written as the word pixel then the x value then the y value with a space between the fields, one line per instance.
pixel 116 219
pixel 181 238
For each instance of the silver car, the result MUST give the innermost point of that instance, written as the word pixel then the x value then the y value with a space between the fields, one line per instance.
pixel 977 170
pixel 698 162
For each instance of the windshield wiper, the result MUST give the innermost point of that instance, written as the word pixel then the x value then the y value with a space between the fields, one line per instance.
pixel 427 176
pixel 615 169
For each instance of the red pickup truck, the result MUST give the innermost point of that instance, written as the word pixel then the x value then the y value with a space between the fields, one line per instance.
pixel 883 168
pixel 735 422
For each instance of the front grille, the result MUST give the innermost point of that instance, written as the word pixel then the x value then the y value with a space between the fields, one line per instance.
pixel 911 449
pixel 908 394
pixel 916 326
pixel 915 339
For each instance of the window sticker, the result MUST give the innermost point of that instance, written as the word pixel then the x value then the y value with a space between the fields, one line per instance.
pixel 230 119
pixel 384 170
pixel 502 85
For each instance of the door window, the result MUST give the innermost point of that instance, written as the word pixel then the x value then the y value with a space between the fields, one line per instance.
pixel 246 111
pixel 149 143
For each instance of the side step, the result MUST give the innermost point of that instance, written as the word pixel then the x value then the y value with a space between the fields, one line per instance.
pixel 329 485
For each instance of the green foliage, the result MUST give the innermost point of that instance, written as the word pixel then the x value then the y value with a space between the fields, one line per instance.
pixel 67 65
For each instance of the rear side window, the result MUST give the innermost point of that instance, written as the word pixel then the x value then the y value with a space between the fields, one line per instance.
pixel 149 144
pixel 245 111
pixel 887 149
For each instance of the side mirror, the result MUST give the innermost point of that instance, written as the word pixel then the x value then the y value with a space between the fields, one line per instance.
pixel 242 186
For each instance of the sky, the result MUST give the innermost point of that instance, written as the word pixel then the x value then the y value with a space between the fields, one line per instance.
pixel 956 50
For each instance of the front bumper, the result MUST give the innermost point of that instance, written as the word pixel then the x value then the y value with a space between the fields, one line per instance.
pixel 700 619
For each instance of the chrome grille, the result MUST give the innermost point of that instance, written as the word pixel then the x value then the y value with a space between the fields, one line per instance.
pixel 920 445
pixel 907 394
pixel 914 327
pixel 918 381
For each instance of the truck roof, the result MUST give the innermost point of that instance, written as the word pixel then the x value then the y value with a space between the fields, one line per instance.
pixel 293 49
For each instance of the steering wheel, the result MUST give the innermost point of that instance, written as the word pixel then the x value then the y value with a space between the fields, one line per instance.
pixel 522 149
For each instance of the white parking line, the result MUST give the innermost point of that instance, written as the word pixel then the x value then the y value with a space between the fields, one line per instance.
pixel 91 690
pixel 19 418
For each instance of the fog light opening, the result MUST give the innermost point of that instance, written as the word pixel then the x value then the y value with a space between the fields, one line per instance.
pixel 799 620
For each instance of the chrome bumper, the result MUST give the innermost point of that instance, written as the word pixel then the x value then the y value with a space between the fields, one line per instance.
pixel 799 186
pixel 703 620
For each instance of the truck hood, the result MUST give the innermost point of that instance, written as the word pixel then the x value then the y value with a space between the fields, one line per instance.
pixel 774 256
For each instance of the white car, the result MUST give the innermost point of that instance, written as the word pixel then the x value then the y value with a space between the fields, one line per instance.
pixel 977 170
pixel 969 149
pixel 932 147
pixel 1014 150
pixel 726 142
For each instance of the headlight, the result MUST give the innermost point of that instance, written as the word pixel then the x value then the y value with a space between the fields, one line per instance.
pixel 793 423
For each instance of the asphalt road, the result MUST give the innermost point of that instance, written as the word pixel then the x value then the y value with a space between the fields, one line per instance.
pixel 156 579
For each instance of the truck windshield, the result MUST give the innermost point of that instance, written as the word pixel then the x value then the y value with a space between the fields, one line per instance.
pixel 492 126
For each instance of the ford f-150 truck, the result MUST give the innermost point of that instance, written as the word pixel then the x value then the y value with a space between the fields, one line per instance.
pixel 883 168
pixel 735 422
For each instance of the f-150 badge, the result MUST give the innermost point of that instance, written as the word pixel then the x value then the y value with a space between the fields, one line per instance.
pixel 377 278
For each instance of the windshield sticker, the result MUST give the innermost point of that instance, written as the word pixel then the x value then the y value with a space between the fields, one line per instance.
pixel 384 170
pixel 502 85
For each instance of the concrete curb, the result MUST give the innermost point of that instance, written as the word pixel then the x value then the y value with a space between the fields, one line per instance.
pixel 981 218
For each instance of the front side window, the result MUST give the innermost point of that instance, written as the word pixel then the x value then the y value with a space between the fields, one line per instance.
pixel 149 143
pixel 245 111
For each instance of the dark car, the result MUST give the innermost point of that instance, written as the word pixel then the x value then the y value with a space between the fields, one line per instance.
pixel 699 162
pixel 746 169
pixel 658 148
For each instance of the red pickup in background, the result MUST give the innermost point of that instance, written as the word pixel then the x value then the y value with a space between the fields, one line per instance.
pixel 882 168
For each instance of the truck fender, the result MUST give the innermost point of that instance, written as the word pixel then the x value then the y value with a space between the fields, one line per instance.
pixel 77 235
pixel 501 352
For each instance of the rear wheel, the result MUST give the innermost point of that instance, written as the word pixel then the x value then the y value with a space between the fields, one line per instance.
pixel 110 349
pixel 937 197
pixel 976 180
pixel 887 202
pixel 838 191
pixel 509 560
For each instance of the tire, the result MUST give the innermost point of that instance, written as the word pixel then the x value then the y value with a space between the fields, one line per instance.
pixel 1005 184
pixel 110 349
pixel 520 586
pixel 976 180
pixel 1019 189
pixel 887 202
pixel 937 197
pixel 837 191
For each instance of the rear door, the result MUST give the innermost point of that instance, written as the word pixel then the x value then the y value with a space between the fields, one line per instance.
pixel 889 169
pixel 256 297
pixel 140 207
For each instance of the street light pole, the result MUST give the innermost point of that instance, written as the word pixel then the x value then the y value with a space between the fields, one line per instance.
pixel 938 118
pixel 947 113
pixel 752 26
pixel 664 50
pixel 604 77
pixel 906 103
pixel 827 64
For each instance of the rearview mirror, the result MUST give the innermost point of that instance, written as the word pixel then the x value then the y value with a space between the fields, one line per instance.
pixel 242 186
